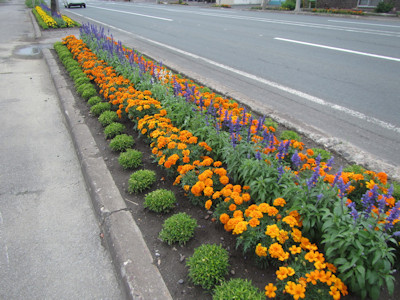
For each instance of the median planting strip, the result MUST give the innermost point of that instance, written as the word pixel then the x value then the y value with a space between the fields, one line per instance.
pixel 276 197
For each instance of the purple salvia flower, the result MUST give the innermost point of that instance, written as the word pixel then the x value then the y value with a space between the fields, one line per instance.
pixel 343 188
pixel 296 160
pixel 258 155
pixel 337 176
pixel 353 212
pixel 313 179
pixel 394 214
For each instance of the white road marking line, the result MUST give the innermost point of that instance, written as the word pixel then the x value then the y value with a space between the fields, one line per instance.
pixel 131 13
pixel 339 49
pixel 283 88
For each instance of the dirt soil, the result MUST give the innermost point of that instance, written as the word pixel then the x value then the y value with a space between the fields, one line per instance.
pixel 170 260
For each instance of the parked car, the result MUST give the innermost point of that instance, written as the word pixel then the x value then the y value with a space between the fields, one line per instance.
pixel 70 3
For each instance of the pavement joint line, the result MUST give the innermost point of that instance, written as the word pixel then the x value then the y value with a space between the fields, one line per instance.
pixel 140 278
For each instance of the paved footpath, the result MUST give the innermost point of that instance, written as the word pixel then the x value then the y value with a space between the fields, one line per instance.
pixel 52 207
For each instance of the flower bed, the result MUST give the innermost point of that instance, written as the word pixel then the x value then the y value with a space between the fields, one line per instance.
pixel 46 20
pixel 283 200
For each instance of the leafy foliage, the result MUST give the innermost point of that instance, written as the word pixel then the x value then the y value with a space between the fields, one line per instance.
pixel 178 228
pixel 208 265
pixel 122 142
pixel 99 108
pixel 237 288
pixel 108 117
pixel 130 159
pixel 160 201
pixel 114 129
pixel 141 180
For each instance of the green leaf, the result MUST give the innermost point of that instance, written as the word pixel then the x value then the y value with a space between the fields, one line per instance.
pixel 340 261
pixel 327 224
pixel 374 291
pixel 390 284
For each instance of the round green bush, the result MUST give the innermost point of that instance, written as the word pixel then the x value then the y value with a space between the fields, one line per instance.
pixel 208 266
pixel 114 129
pixel 121 142
pixel 160 201
pixel 107 117
pixel 237 288
pixel 86 86
pixel 94 100
pixel 290 135
pixel 88 93
pixel 325 155
pixel 98 108
pixel 141 180
pixel 178 228
pixel 79 78
pixel 130 159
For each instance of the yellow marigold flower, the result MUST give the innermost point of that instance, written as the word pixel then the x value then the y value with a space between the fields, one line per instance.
pixel 295 250
pixel 296 235
pixel 272 231
pixel 296 290
pixel 186 187
pixel 279 202
pixel 270 290
pixel 334 292
pixel 370 185
pixel 261 251
pixel 284 272
pixel 283 236
pixel 290 220
pixel 208 204
pixel 240 227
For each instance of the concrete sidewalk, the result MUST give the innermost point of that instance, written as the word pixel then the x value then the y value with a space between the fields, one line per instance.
pixel 57 196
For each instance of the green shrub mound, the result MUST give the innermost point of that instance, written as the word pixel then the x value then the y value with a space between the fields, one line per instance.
pixel 121 142
pixel 290 135
pixel 130 159
pixel 238 289
pixel 113 130
pixel 160 201
pixel 99 108
pixel 79 78
pixel 325 155
pixel 208 265
pixel 141 180
pixel 94 100
pixel 178 228
pixel 107 117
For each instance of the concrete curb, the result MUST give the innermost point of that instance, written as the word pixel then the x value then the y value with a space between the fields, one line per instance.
pixel 131 257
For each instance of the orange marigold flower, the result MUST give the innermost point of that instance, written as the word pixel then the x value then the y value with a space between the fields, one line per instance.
pixel 272 231
pixel 238 214
pixel 270 290
pixel 310 152
pixel 224 218
pixel 217 164
pixel 208 204
pixel 224 180
pixel 240 227
pixel 295 250
pixel 290 220
pixel 261 251
pixel 232 207
pixel 246 197
pixel 208 191
pixel 254 222
pixel 279 202
pixel 382 177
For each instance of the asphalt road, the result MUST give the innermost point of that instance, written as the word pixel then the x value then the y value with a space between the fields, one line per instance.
pixel 336 78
